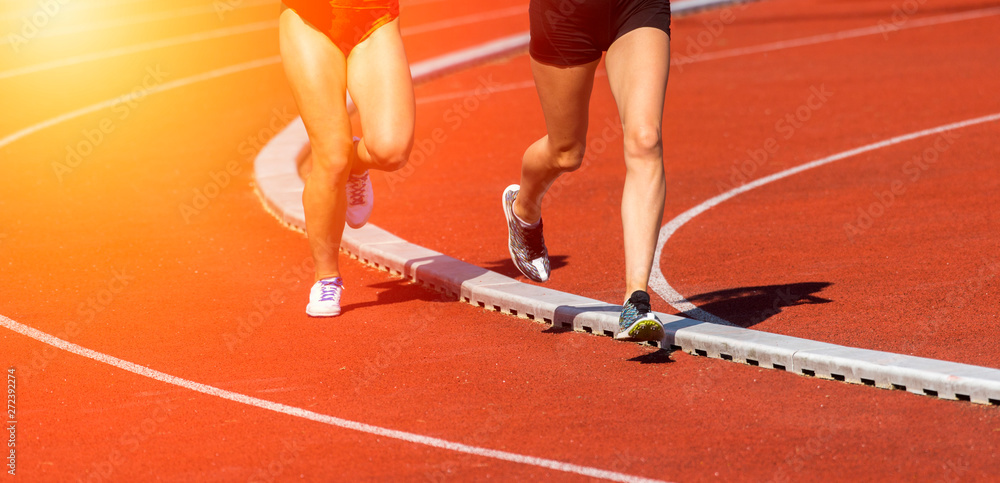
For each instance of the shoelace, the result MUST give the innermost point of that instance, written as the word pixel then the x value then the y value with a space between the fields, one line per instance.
pixel 356 188
pixel 330 290
pixel 534 242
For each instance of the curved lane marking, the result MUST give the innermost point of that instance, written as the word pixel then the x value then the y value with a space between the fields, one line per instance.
pixel 141 19
pixel 659 283
pixel 135 48
pixel 166 86
pixel 317 417
pixel 835 36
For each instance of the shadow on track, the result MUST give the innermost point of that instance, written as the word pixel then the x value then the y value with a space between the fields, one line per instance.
pixel 749 306
pixel 506 266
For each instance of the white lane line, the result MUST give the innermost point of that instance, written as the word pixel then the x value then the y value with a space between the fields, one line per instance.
pixel 317 417
pixel 140 19
pixel 835 36
pixel 166 86
pixel 225 32
pixel 460 94
pixel 466 20
pixel 135 48
pixel 659 283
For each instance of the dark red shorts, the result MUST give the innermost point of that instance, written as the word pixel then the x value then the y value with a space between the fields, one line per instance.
pixel 346 22
pixel 575 32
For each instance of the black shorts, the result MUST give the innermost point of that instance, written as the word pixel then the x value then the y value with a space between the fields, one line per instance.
pixel 575 32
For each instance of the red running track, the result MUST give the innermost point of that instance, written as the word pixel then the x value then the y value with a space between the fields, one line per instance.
pixel 107 246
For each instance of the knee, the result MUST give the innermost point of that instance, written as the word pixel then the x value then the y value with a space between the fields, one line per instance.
pixel 330 170
pixel 569 157
pixel 644 142
pixel 388 155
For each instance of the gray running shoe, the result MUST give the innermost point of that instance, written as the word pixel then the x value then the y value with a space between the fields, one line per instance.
pixel 526 245
pixel 638 322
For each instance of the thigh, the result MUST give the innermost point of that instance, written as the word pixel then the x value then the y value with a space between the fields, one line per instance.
pixel 564 93
pixel 638 64
pixel 316 71
pixel 378 77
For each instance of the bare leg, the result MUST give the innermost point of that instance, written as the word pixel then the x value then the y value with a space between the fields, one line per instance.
pixel 564 93
pixel 317 72
pixel 378 77
pixel 638 64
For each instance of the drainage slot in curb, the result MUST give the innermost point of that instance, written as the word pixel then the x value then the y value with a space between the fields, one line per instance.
pixel 867 382
pixel 608 333
pixel 930 392
pixel 726 357
pixel 496 308
pixel 809 372
pixel 530 316
pixel 482 305
pixel 513 312
pixel 701 352
pixel 899 387
pixel 778 367
pixel 588 330
pixel 675 347
pixel 565 325
pixel 838 377
pixel 995 402
pixel 963 397
pixel 753 362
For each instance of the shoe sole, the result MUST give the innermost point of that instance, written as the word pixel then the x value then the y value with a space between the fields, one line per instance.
pixel 509 214
pixel 642 331
pixel 312 313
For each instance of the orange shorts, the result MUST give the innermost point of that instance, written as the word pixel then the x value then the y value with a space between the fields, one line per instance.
pixel 346 22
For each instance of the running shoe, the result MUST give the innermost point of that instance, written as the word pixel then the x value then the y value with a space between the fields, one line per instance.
pixel 360 198
pixel 324 298
pixel 638 322
pixel 526 245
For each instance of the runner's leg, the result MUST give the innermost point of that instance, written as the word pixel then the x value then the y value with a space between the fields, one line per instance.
pixel 564 93
pixel 378 77
pixel 316 70
pixel 638 64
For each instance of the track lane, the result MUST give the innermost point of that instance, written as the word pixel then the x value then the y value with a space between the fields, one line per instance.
pixel 607 381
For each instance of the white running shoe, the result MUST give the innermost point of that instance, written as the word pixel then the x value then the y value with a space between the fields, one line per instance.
pixel 360 198
pixel 324 298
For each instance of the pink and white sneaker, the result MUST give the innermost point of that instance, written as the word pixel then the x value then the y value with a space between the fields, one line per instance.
pixel 360 198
